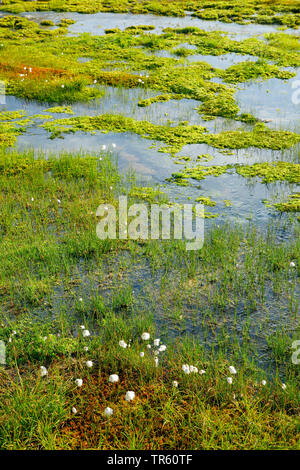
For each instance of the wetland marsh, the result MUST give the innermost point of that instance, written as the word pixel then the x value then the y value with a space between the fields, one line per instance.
pixel 164 102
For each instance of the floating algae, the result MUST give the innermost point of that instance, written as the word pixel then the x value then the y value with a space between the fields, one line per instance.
pixel 60 109
pixel 271 171
pixel 175 137
pixel 291 205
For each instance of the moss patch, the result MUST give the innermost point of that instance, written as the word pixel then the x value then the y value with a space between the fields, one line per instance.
pixel 258 11
pixel 175 137
pixel 291 205
pixel 271 172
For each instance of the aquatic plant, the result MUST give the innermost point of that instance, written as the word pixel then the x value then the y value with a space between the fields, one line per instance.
pixel 271 171
pixel 260 11
pixel 292 204
pixel 175 137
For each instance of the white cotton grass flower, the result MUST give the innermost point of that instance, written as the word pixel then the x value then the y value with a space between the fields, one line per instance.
pixel 149 346
pixel 194 369
pixel 86 348
pixel 82 327
pixel 108 412
pixel 89 364
pixel 95 81
pixel 113 378
pixel 229 380
pixel 156 342
pixel 103 147
pixel 145 336
pixel 186 368
pixel 162 348
pixel 142 354
pixel 202 371
pixel 264 382
pixel 175 383
pixel 292 264
pixel 80 299
pixel 74 411
pixel 86 333
pixel 79 382
pixel 130 395
pixel 43 371
pixel 113 146
pixel 63 86
pixel 156 361
pixel 123 344
pixel 232 370
pixel 283 386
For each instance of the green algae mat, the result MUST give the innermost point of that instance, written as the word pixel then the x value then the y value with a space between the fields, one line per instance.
pixel 121 344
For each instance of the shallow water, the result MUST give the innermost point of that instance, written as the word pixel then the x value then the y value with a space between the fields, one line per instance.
pixel 269 100
pixel 96 23
pixel 134 152
pixel 272 100
pixel 188 318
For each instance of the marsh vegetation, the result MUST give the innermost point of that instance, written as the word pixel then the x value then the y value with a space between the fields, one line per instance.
pixel 161 110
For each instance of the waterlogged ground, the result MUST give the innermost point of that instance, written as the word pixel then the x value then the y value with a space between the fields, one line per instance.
pixel 232 196
pixel 97 23
pixel 175 109
pixel 269 101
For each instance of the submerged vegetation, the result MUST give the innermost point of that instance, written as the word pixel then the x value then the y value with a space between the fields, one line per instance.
pixel 291 205
pixel 270 172
pixel 47 61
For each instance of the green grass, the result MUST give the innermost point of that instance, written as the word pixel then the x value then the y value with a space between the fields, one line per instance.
pixel 204 412
pixel 53 74
pixel 235 302
pixel 56 275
